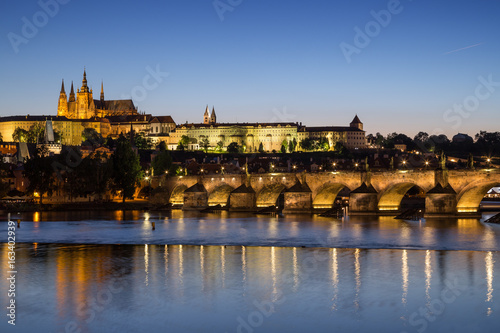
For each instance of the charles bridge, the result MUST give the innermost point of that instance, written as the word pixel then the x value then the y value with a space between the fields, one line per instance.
pixel 447 192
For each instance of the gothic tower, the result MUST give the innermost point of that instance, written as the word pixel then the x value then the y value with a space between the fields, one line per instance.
pixel 62 106
pixel 85 102
pixel 72 93
pixel 206 116
pixel 102 93
pixel 213 117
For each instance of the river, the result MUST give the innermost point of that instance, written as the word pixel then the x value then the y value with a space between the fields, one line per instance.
pixel 111 272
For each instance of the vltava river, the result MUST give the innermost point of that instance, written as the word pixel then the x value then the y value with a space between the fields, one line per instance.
pixel 94 272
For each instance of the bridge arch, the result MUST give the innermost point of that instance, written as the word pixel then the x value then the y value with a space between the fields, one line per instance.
pixel 220 195
pixel 326 195
pixel 390 199
pixel 270 194
pixel 177 196
pixel 470 197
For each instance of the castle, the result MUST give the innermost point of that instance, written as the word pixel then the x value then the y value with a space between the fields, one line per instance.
pixel 84 106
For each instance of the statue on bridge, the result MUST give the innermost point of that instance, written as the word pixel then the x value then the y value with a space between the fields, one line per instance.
pixel 442 161
pixel 470 162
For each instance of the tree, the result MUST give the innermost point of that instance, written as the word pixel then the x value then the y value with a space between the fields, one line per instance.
pixel 161 163
pixel 205 143
pixel 291 145
pixel 284 146
pixel 91 137
pixel 184 140
pixel 219 147
pixel 233 147
pixel 323 144
pixel 421 137
pixel 20 135
pixel 307 144
pixel 97 170
pixel 162 146
pixel 110 142
pixel 180 147
pixel 126 168
pixel 142 142
pixel 339 147
pixel 1 137
pixel 261 148
pixel 4 185
pixel 39 170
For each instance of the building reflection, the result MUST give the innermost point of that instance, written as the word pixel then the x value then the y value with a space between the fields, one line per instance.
pixel 344 281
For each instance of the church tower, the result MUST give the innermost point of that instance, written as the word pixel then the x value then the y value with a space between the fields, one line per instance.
pixel 206 117
pixel 213 117
pixel 62 106
pixel 72 93
pixel 356 123
pixel 102 93
pixel 85 102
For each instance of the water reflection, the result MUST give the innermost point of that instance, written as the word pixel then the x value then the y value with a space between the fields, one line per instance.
pixel 489 279
pixel 335 277
pixel 428 276
pixel 243 229
pixel 357 277
pixel 146 264
pixel 404 275
pixel 343 287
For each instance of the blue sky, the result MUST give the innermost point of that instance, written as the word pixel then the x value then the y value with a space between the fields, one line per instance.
pixel 265 60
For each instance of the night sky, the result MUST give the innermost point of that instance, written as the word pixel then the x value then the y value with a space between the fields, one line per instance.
pixel 408 66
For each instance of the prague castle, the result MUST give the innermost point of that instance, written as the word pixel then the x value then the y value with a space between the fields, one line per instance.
pixel 79 111
pixel 84 106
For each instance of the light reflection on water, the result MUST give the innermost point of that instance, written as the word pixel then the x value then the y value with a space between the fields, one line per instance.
pixel 191 228
pixel 127 288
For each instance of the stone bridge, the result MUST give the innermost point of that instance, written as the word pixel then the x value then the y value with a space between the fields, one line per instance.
pixel 447 192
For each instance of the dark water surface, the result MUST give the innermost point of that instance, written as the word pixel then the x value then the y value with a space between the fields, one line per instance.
pixel 95 272
pixel 135 227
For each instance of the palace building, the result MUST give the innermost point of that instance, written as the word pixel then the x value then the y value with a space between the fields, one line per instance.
pixel 79 111
pixel 270 135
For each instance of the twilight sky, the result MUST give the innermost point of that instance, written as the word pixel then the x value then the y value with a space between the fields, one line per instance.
pixel 401 66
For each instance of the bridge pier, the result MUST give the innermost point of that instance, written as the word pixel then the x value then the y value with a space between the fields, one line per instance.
pixel 440 201
pixel 363 200
pixel 195 198
pixel 243 199
pixel 298 199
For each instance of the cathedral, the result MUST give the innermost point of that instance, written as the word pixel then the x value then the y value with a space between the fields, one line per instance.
pixel 84 106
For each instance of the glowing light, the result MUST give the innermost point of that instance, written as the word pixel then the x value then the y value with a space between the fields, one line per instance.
pixel 357 273
pixel 146 264
pixel 335 277
pixel 428 275
pixel 404 273
pixel 489 275
pixel 295 270
pixel 467 210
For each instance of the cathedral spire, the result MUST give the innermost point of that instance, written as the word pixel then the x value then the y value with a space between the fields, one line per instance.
pixel 62 87
pixel 102 91
pixel 72 93
pixel 84 81
pixel 213 117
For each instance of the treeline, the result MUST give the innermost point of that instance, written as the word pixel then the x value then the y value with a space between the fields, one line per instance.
pixel 484 143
